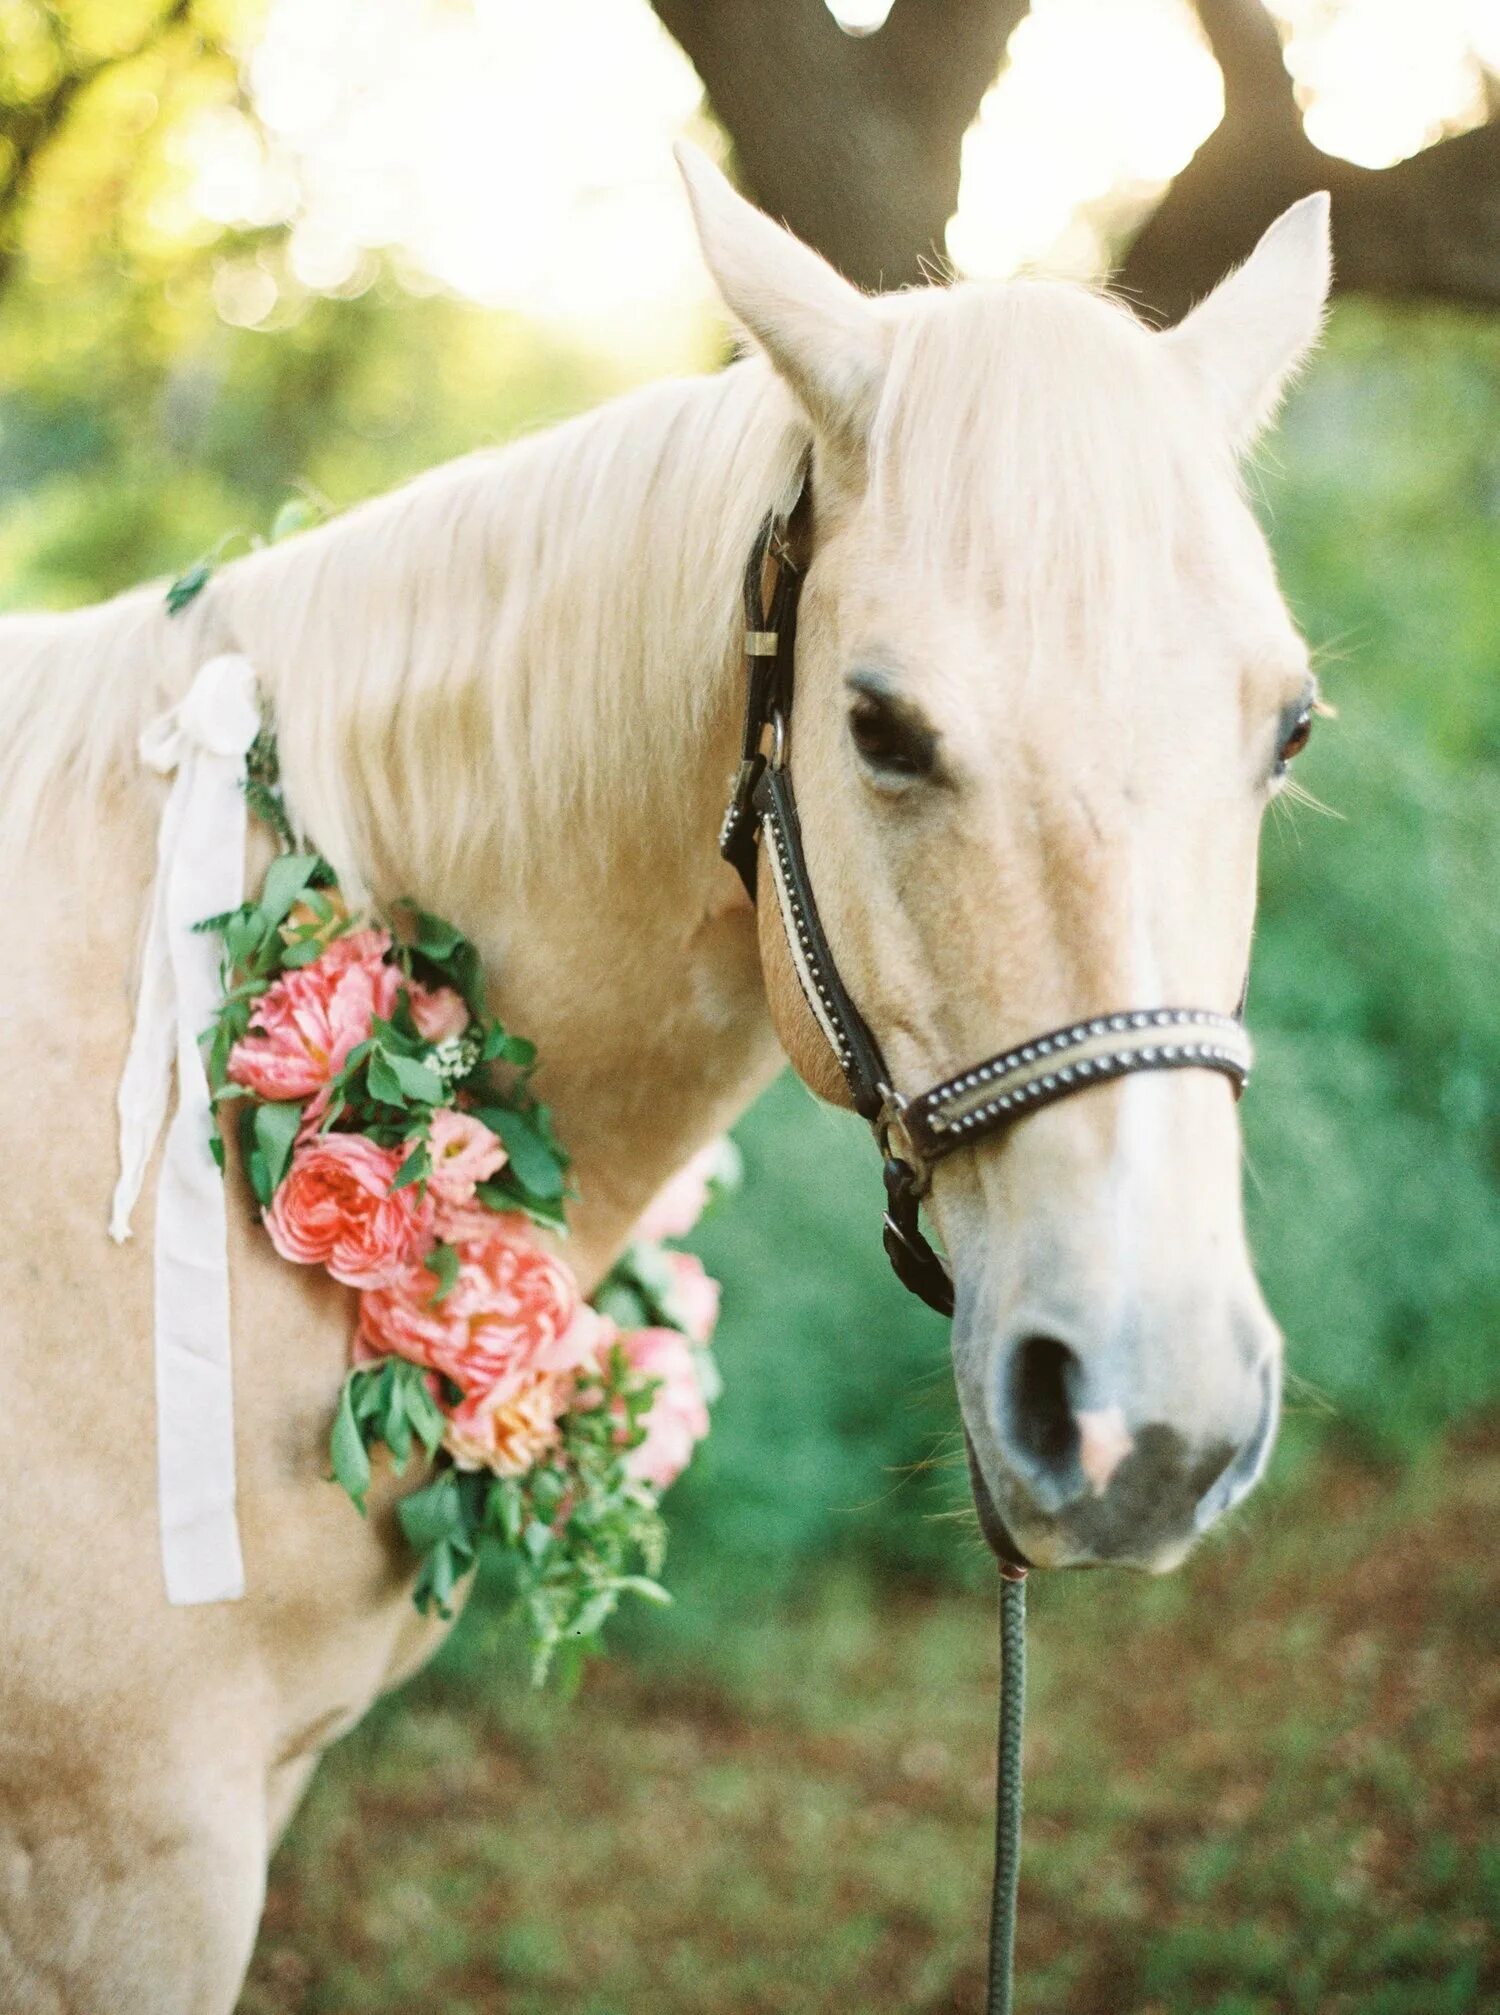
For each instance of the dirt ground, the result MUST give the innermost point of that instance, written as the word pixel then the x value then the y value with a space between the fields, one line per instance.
pixel 1269 1783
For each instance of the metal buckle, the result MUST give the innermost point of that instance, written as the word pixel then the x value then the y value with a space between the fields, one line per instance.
pixel 893 1138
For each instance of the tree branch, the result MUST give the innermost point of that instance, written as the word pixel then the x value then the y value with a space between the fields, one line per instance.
pixel 34 127
pixel 853 140
pixel 1247 48
pixel 1428 228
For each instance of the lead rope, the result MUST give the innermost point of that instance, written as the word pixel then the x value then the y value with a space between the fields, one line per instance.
pixel 1000 1998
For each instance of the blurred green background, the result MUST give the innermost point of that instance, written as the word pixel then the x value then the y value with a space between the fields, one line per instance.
pixel 1264 1785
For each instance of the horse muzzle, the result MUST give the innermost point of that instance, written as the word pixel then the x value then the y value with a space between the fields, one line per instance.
pixel 1070 1470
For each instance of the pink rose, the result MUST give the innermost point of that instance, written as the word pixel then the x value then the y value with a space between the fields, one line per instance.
pixel 679 1204
pixel 464 1224
pixel 509 1426
pixel 693 1300
pixel 336 1208
pixel 464 1154
pixel 439 1012
pixel 514 1309
pixel 304 1026
pixel 678 1419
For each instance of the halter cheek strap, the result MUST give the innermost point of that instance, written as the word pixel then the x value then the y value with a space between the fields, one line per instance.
pixel 913 1133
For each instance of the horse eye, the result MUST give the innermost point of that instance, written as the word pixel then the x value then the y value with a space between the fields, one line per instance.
pixel 1295 737
pixel 889 740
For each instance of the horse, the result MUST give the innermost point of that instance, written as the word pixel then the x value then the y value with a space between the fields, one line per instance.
pixel 1047 686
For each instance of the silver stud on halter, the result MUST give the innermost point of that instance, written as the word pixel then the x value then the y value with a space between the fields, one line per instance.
pixel 1051 1066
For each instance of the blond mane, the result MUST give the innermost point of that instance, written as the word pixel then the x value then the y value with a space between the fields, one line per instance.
pixel 491 656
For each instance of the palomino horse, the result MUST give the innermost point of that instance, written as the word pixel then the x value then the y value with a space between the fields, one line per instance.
pixel 1046 687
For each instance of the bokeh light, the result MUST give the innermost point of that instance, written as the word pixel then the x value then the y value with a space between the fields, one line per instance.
pixel 522 156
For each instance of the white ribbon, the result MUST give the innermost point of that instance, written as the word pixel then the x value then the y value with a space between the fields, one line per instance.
pixel 200 872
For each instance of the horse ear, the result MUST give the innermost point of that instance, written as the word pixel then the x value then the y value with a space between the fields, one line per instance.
pixel 1247 339
pixel 822 335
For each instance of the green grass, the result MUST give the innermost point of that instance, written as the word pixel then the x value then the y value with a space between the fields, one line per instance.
pixel 1264 1785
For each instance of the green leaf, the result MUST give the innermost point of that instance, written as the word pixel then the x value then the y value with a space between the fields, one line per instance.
pixel 422 1410
pixel 187 586
pixel 434 1513
pixel 502 1195
pixel 437 939
pixel 418 1081
pixel 594 1614
pixel 505 1509
pixel 346 1448
pixel 646 1588
pixel 623 1304
pixel 286 878
pixel 253 1156
pixel 536 1163
pixel 383 1081
pixel 500 1047
pixel 443 1262
pixel 276 1127
pixel 416 1168
pixel 242 936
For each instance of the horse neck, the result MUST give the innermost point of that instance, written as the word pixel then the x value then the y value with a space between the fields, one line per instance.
pixel 533 716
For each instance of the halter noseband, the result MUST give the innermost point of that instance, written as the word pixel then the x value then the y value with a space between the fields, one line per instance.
pixel 913 1133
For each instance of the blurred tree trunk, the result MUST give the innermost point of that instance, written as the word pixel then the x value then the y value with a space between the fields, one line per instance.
pixel 855 142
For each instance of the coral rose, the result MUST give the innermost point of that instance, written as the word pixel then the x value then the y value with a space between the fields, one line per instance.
pixel 678 1419
pixel 464 1154
pixel 513 1310
pixel 336 1208
pixel 305 1025
pixel 510 1426
pixel 693 1299
pixel 439 1013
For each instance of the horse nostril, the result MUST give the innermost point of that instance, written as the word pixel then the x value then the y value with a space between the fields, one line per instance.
pixel 1042 1375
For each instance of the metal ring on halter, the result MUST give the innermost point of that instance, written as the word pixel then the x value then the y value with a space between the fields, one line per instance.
pixel 777 758
pixel 894 1139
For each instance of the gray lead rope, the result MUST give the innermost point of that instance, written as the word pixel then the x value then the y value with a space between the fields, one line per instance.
pixel 1000 1998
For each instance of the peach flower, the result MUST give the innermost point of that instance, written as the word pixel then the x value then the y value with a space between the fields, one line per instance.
pixel 514 1309
pixel 509 1426
pixel 464 1154
pixel 678 1419
pixel 303 922
pixel 693 1299
pixel 439 1012
pixel 336 1208
pixel 679 1204
pixel 304 1026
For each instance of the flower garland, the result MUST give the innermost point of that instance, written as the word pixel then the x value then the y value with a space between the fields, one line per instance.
pixel 390 1134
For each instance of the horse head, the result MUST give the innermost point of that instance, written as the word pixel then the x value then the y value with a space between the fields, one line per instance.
pixel 1046 688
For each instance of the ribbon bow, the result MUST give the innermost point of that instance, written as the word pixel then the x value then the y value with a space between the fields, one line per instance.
pixel 200 872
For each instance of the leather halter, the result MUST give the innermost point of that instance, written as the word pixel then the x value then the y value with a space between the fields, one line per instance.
pixel 917 1131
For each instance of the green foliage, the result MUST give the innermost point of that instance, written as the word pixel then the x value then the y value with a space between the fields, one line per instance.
pixel 572 1536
